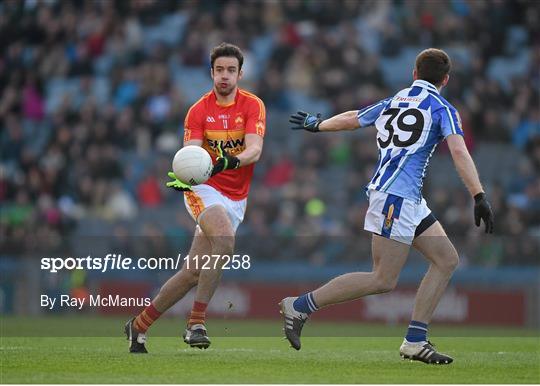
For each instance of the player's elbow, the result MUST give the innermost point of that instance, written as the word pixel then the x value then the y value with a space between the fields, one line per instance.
pixel 257 156
pixel 351 121
pixel 461 158
pixel 457 146
pixel 257 153
pixel 459 152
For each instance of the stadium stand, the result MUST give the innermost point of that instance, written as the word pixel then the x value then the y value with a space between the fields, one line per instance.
pixel 93 95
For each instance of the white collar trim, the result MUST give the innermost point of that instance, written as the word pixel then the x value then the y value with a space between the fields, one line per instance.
pixel 425 84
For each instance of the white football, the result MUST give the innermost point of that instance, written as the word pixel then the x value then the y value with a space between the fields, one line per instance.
pixel 192 165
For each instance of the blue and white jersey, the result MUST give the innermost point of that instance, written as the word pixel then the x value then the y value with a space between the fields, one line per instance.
pixel 409 127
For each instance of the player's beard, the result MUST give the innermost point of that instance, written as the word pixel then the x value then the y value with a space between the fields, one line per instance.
pixel 224 91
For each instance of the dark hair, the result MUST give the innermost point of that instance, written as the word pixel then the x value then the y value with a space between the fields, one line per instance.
pixel 227 49
pixel 432 65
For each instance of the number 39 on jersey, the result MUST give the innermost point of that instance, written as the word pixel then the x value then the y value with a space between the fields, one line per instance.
pixel 409 126
pixel 403 127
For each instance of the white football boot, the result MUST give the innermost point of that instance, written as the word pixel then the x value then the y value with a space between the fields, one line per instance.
pixel 423 351
pixel 293 321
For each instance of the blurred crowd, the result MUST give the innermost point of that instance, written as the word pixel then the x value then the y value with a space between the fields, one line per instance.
pixel 91 112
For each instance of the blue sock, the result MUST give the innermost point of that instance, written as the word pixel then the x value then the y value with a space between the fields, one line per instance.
pixel 305 304
pixel 417 332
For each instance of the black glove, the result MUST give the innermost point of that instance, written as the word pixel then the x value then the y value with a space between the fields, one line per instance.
pixel 482 210
pixel 305 121
pixel 225 161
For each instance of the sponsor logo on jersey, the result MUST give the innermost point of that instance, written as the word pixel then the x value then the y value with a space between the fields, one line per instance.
pixel 233 146
pixel 210 119
pixel 408 99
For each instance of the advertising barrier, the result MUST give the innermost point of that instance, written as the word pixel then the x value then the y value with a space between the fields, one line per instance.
pixel 459 305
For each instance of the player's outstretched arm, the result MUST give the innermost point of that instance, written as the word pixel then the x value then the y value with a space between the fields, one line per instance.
pixel 306 121
pixel 467 171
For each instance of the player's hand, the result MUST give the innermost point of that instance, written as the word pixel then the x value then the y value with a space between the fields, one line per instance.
pixel 305 121
pixel 176 184
pixel 482 211
pixel 225 161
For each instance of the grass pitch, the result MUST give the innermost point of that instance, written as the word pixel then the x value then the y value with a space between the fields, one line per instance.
pixel 484 356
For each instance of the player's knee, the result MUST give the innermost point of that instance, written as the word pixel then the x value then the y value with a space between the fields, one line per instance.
pixel 387 286
pixel 217 227
pixel 222 244
pixel 385 283
pixel 191 276
pixel 450 262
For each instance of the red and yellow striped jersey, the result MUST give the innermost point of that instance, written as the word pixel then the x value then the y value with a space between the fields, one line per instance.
pixel 227 125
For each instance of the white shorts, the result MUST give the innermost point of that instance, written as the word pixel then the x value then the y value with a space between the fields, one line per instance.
pixel 204 196
pixel 394 217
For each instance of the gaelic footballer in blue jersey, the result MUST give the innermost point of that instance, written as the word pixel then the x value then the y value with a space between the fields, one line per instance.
pixel 409 126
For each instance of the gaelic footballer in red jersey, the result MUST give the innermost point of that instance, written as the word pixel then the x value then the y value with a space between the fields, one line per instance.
pixel 230 124
pixel 214 124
